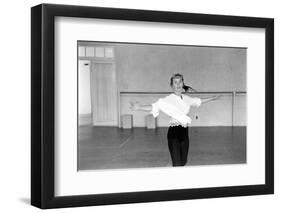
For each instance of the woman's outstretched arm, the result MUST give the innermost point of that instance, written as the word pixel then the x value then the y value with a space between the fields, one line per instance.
pixel 136 106
pixel 206 100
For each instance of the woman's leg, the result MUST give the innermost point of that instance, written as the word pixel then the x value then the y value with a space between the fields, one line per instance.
pixel 175 151
pixel 174 145
pixel 184 145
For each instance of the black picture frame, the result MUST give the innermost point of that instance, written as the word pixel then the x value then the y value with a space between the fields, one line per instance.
pixel 43 105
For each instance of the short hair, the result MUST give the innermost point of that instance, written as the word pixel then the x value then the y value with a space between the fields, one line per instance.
pixel 177 75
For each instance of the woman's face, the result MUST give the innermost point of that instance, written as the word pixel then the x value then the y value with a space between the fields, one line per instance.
pixel 177 85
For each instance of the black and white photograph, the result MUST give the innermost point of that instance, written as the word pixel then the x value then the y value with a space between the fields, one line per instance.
pixel 147 105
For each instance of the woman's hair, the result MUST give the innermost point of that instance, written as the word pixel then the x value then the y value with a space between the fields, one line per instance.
pixel 178 75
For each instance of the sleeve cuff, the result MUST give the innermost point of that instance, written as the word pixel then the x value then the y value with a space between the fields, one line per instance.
pixel 155 110
pixel 197 102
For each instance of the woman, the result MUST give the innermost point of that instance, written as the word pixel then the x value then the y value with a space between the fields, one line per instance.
pixel 177 106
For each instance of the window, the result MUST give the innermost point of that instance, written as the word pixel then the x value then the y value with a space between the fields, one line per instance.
pixel 100 52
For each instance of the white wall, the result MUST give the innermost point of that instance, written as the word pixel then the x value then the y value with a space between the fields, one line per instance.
pixel 15 106
pixel 203 68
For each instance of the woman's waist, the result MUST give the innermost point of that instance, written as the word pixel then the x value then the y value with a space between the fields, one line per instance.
pixel 175 123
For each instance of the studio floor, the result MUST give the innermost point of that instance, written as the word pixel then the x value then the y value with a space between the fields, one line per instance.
pixel 139 147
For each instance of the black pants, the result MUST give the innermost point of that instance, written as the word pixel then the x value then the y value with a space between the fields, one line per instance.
pixel 178 142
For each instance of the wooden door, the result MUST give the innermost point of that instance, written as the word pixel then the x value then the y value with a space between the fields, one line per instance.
pixel 104 94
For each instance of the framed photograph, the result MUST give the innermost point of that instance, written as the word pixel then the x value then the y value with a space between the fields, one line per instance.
pixel 136 106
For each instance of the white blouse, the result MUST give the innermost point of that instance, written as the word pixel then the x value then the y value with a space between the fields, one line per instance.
pixel 176 107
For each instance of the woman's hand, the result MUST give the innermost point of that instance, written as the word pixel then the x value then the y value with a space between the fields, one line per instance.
pixel 217 97
pixel 140 107
pixel 134 105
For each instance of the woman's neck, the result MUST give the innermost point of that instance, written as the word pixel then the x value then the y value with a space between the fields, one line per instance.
pixel 178 94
